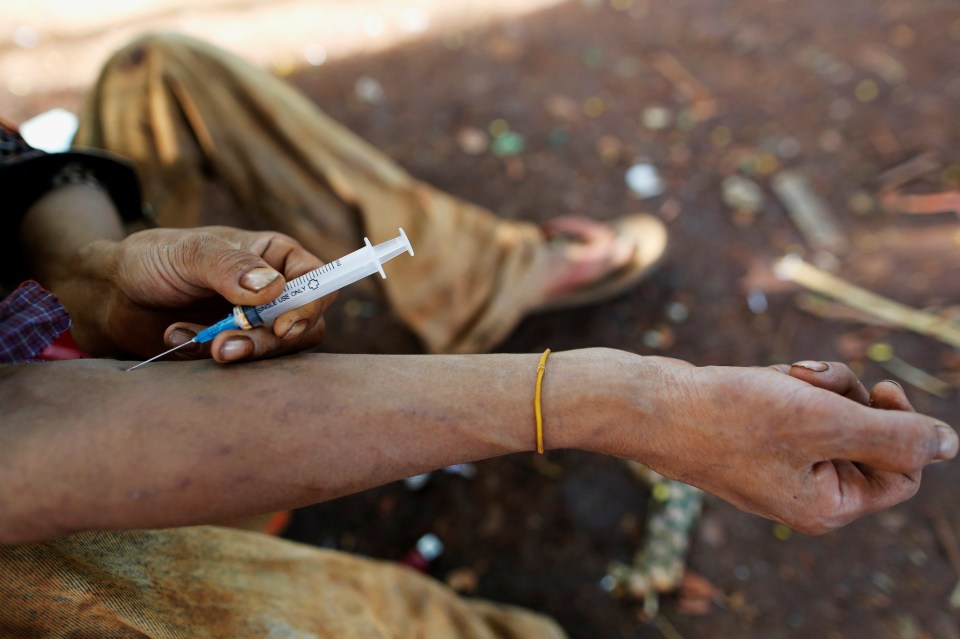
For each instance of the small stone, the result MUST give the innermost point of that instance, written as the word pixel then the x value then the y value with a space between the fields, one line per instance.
pixel 657 118
pixel 498 127
pixel 369 90
pixel 609 149
pixel 472 141
pixel 880 352
pixel 644 181
pixel 594 107
pixel 742 193
pixel 860 203
pixel 416 482
pixel 315 54
pixel 677 312
pixel 866 91
pixel 781 532
pixel 507 144
pixel 757 301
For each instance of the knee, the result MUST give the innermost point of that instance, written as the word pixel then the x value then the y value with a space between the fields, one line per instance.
pixel 148 46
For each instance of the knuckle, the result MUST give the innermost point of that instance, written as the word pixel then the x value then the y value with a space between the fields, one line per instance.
pixel 283 240
pixel 913 455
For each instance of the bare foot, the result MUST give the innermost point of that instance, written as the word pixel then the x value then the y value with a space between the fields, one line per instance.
pixel 592 260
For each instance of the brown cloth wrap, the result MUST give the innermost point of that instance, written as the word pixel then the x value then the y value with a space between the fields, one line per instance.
pixel 217 141
pixel 211 582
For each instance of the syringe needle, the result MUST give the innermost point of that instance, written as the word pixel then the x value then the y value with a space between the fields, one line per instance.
pixel 159 356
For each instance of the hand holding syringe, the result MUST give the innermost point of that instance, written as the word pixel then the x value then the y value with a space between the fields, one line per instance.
pixel 305 289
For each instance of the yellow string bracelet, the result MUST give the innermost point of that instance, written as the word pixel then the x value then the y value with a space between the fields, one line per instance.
pixel 541 367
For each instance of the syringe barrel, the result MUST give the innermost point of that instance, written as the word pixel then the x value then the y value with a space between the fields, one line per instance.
pixel 329 278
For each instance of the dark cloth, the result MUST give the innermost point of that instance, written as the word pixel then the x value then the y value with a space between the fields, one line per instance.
pixel 26 174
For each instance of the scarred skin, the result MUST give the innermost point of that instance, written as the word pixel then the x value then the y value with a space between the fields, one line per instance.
pixel 85 445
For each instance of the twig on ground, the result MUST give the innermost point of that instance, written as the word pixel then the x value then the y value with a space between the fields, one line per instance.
pixel 914 376
pixel 925 204
pixel 921 165
pixel 947 539
pixel 793 268
pixel 701 100
pixel 809 212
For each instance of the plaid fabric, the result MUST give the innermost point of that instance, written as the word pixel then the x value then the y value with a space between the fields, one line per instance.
pixel 30 320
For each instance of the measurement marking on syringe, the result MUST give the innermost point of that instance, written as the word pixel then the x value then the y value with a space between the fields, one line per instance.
pixel 326 268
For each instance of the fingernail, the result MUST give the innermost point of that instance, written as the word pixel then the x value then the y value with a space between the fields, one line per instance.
pixel 948 441
pixel 810 365
pixel 258 278
pixel 296 329
pixel 236 348
pixel 180 336
pixel 894 382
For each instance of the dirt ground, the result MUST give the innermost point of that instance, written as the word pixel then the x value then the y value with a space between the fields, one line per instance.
pixel 840 92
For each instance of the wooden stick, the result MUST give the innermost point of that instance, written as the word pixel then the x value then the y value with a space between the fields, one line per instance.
pixel 930 203
pixel 686 84
pixel 915 376
pixel 946 536
pixel 925 163
pixel 794 269
pixel 809 212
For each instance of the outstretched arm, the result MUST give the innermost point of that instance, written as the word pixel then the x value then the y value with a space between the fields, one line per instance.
pixel 85 445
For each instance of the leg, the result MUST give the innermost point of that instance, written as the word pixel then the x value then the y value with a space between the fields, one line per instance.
pixel 287 166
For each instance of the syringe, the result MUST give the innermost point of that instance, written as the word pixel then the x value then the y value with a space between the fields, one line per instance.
pixel 305 289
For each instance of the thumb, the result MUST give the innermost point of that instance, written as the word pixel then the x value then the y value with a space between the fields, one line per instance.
pixel 213 263
pixel 899 441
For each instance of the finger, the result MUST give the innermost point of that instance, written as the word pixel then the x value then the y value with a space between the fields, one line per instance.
pixel 861 491
pixel 895 441
pixel 832 376
pixel 889 395
pixel 180 333
pixel 259 343
pixel 304 316
pixel 285 254
pixel 208 261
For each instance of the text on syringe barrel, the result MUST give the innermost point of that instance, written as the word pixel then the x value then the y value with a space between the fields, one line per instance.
pixel 298 292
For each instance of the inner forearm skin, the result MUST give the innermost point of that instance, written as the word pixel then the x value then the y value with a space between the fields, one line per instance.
pixel 86 445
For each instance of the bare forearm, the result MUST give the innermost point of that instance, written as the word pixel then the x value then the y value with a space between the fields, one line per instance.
pixel 84 445
pixel 178 443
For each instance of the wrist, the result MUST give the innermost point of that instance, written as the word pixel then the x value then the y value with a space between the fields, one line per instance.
pixel 610 401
